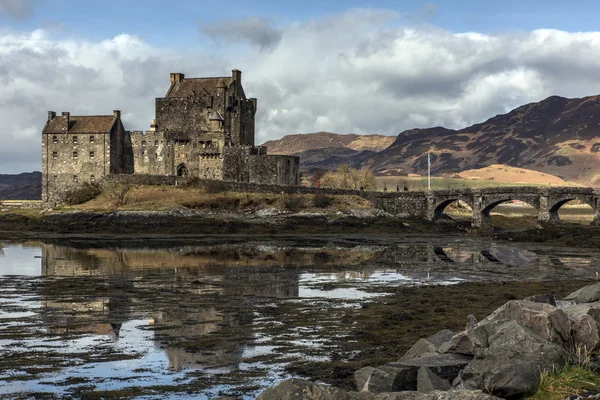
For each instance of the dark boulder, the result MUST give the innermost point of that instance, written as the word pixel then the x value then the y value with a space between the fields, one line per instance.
pixel 512 364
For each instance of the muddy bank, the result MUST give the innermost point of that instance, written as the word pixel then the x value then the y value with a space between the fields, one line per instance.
pixel 564 235
pixel 185 222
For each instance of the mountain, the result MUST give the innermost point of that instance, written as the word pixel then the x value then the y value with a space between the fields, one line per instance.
pixel 556 136
pixel 326 150
pixel 25 186
pixel 296 144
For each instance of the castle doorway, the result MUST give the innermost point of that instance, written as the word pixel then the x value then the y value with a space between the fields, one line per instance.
pixel 182 170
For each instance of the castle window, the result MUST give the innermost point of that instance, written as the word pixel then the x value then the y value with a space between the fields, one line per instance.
pixel 91 154
pixel 156 143
pixel 92 178
pixel 143 142
pixel 75 178
pixel 92 139
pixel 55 154
pixel 74 139
pixel 55 178
pixel 54 139
pixel 209 145
pixel 75 154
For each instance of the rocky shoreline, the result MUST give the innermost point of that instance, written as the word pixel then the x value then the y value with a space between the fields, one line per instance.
pixel 189 222
pixel 500 357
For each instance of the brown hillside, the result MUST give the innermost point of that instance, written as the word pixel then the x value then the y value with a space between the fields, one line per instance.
pixel 505 173
pixel 296 144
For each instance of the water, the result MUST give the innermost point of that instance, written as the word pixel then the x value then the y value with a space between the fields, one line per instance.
pixel 197 319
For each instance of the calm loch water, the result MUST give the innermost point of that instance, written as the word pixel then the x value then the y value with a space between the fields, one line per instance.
pixel 203 318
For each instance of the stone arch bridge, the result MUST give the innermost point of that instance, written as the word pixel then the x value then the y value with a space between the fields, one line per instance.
pixel 546 200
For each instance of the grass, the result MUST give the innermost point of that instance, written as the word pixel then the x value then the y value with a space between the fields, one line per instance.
pixel 159 198
pixel 572 379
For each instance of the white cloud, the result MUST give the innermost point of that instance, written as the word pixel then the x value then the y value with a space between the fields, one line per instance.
pixel 352 72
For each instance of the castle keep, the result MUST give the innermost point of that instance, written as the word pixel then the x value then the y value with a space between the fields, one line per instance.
pixel 204 128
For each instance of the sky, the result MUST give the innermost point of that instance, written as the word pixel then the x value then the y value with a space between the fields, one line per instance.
pixel 340 66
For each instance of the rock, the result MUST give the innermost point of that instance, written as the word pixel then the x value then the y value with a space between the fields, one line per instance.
pixel 428 346
pixel 461 395
pixel 387 378
pixel 300 389
pixel 439 338
pixel 427 381
pixel 547 298
pixel 362 377
pixel 445 366
pixel 471 322
pixel 585 328
pixel 422 348
pixel 402 375
pixel 511 366
pixel 587 294
pixel 546 320
pixel 472 340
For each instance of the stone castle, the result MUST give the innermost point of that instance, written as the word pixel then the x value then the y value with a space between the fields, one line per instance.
pixel 204 128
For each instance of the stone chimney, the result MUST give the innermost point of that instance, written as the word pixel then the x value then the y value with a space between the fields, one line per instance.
pixel 67 118
pixel 51 115
pixel 236 74
pixel 117 114
pixel 176 77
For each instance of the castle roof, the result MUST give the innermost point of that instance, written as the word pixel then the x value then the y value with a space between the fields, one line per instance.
pixel 81 124
pixel 188 86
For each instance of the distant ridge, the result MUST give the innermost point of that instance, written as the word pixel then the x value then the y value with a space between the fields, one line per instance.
pixel 24 186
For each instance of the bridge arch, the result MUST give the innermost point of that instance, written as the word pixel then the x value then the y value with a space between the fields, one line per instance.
pixel 555 203
pixel 441 203
pixel 486 203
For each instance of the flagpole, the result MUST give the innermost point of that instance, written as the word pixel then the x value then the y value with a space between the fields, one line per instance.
pixel 428 172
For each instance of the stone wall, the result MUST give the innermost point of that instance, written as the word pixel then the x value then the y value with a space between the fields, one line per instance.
pixel 68 160
pixel 150 153
pixel 406 204
pixel 183 118
pixel 274 170
pixel 210 167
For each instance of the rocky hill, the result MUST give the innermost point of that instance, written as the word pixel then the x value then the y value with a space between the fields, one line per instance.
pixel 296 144
pixel 25 186
pixel 556 136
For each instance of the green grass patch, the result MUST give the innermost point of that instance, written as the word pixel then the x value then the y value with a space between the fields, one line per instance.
pixel 572 379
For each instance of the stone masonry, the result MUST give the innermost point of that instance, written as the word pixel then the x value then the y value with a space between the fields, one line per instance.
pixel 204 128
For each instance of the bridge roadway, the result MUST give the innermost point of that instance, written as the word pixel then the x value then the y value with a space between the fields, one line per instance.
pixel 546 200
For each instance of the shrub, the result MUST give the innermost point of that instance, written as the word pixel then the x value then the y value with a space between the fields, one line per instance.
pixel 87 192
pixel 350 178
pixel 118 194
pixel 214 187
pixel 291 202
pixel 321 200
pixel 191 181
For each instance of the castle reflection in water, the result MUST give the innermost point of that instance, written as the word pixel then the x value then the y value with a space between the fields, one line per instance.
pixel 201 301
